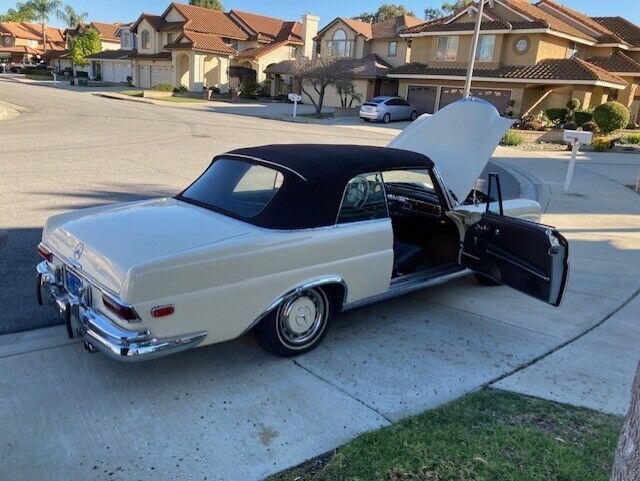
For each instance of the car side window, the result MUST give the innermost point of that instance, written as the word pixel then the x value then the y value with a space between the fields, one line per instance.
pixel 363 199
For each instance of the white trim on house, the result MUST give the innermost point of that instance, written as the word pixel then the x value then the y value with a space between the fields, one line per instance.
pixel 598 83
pixel 497 31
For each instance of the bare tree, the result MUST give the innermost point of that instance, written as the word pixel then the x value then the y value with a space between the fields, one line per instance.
pixel 627 463
pixel 317 74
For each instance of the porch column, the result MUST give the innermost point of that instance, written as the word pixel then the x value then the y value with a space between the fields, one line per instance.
pixel 625 97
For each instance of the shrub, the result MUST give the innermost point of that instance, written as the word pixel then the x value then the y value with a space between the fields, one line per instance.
pixel 512 138
pixel 249 89
pixel 632 139
pixel 570 126
pixel 601 144
pixel 162 87
pixel 590 127
pixel 37 71
pixel 82 74
pixel 583 116
pixel 180 90
pixel 611 116
pixel 557 114
pixel 573 104
pixel 130 81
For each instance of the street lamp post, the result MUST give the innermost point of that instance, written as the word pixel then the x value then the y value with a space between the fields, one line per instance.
pixel 474 48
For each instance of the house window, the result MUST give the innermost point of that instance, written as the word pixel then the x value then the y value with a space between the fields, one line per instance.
pixel 484 52
pixel 392 50
pixel 447 48
pixel 169 38
pixel 339 44
pixel 521 45
pixel 126 39
pixel 144 39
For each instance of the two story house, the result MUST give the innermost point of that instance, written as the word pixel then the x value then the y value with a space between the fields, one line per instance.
pixel 529 57
pixel 198 47
pixel 371 49
pixel 22 42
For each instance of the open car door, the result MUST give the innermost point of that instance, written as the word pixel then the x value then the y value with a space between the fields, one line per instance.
pixel 530 257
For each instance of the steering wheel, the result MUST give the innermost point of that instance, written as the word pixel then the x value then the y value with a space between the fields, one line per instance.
pixel 358 192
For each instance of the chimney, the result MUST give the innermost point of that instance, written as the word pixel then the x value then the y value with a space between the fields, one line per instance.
pixel 309 31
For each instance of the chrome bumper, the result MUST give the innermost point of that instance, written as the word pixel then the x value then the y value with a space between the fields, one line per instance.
pixel 99 332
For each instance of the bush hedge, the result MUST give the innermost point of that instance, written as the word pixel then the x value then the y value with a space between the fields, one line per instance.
pixel 558 114
pixel 601 144
pixel 512 138
pixel 631 139
pixel 162 87
pixel 611 116
pixel 590 127
pixel 581 117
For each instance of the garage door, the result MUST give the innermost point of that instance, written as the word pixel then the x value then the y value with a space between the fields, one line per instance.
pixel 144 74
pixel 499 98
pixel 161 75
pixel 422 97
pixel 116 71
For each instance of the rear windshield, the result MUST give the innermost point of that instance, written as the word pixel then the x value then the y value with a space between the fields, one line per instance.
pixel 377 100
pixel 235 186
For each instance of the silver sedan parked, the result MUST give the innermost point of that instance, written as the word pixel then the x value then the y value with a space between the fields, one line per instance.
pixel 387 109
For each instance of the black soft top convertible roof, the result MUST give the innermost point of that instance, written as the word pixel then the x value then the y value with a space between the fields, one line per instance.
pixel 315 176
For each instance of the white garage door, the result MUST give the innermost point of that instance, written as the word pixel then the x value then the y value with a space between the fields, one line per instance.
pixel 116 71
pixel 144 74
pixel 161 75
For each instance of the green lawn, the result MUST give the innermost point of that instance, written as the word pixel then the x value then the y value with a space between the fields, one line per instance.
pixel 489 435
pixel 181 100
pixel 132 93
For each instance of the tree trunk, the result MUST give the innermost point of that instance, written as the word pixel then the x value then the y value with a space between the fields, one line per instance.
pixel 320 102
pixel 627 463
pixel 44 39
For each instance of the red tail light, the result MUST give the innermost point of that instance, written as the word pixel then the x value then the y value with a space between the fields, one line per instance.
pixel 162 311
pixel 120 309
pixel 44 251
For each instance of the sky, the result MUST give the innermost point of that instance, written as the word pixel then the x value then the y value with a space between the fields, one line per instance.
pixel 129 10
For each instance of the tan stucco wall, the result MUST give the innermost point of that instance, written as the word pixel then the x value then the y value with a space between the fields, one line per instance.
pixel 109 45
pixel 173 16
pixel 424 50
pixel 381 48
pixel 278 55
pixel 551 47
pixel 331 97
pixel 154 38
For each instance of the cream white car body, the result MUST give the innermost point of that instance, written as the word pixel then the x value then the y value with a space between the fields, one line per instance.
pixel 222 275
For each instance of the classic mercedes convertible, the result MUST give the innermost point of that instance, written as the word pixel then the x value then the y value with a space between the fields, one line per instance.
pixel 278 239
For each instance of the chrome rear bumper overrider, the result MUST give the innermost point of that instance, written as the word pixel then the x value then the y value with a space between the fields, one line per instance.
pixel 99 332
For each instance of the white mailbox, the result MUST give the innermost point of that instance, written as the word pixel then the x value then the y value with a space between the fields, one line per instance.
pixel 295 97
pixel 576 137
pixel 579 136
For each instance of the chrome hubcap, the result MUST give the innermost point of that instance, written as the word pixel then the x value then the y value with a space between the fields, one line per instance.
pixel 302 317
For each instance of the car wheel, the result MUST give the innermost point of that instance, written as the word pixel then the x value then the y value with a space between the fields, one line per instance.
pixel 386 118
pixel 486 280
pixel 414 115
pixel 298 325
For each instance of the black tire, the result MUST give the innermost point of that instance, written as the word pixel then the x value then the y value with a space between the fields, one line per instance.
pixel 386 118
pixel 366 120
pixel 486 280
pixel 414 115
pixel 277 335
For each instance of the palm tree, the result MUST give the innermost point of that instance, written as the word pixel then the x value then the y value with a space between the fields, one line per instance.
pixel 43 9
pixel 70 17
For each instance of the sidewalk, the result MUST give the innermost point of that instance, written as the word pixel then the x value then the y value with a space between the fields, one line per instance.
pixel 232 412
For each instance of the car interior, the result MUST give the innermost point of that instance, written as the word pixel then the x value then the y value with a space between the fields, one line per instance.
pixel 424 238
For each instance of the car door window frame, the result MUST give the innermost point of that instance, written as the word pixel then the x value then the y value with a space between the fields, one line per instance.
pixel 494 184
pixel 378 174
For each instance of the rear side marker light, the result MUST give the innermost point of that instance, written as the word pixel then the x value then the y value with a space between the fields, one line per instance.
pixel 120 309
pixel 162 311
pixel 44 251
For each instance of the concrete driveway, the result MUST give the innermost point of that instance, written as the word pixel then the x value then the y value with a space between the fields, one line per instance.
pixel 230 411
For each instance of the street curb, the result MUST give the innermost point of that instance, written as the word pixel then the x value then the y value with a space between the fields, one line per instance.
pixel 124 97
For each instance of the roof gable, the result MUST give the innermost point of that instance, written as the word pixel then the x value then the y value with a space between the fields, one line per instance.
pixel 622 28
pixel 206 20
pixel 268 29
pixel 107 31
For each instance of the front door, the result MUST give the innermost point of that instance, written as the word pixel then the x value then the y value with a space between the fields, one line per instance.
pixel 529 257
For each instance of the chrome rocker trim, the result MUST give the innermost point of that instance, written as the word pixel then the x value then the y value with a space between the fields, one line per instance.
pixel 102 334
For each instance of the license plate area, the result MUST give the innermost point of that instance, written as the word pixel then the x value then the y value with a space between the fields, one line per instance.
pixel 73 283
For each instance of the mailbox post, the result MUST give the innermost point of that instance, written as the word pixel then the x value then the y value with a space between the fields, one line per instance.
pixel 577 138
pixel 295 98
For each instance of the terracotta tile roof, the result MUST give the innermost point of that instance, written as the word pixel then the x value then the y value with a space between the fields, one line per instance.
pixel 535 18
pixel 262 50
pixel 570 69
pixel 110 55
pixel 622 28
pixel 53 34
pixel 575 15
pixel 21 49
pixel 391 28
pixel 616 62
pixel 155 21
pixel 107 31
pixel 281 68
pixel 204 42
pixel 360 27
pixel 269 29
pixel 19 30
pixel 151 56
pixel 206 20
pixel 370 66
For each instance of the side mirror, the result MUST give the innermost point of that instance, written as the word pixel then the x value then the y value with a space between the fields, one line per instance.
pixel 494 195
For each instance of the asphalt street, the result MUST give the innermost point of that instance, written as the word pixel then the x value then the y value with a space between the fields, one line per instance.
pixel 72 149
